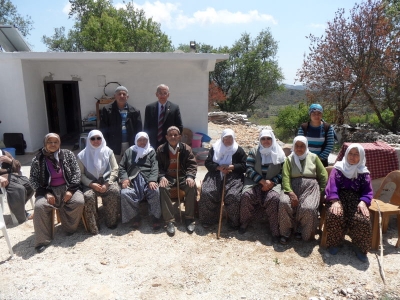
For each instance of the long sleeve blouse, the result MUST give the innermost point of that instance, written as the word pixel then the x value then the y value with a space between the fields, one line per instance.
pixel 361 184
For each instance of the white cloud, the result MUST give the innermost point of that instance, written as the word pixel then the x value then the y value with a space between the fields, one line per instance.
pixel 313 25
pixel 66 8
pixel 170 15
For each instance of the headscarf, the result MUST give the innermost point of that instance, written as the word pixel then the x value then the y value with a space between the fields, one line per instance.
pixel 52 156
pixel 273 154
pixel 95 159
pixel 223 154
pixel 303 139
pixel 352 171
pixel 315 107
pixel 141 152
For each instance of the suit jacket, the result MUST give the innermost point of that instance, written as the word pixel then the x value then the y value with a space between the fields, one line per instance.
pixel 172 117
pixel 111 122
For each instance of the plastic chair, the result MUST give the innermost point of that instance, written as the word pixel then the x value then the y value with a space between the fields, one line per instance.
pixel 3 196
pixel 386 209
pixel 4 229
pixel 55 214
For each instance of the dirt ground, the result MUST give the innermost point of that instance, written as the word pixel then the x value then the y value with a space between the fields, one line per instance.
pixel 140 264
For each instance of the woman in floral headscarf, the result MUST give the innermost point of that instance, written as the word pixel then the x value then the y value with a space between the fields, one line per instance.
pixel 99 174
pixel 262 184
pixel 56 177
pixel 348 195
pixel 226 158
pixel 303 180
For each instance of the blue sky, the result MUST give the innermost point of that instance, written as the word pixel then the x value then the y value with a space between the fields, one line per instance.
pixel 217 23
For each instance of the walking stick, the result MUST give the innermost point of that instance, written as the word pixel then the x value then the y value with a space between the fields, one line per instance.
pixel 177 184
pixel 222 204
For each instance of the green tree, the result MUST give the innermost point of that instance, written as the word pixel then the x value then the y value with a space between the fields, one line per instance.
pixel 289 120
pixel 100 27
pixel 250 73
pixel 10 16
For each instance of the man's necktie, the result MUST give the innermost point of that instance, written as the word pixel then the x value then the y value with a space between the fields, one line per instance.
pixel 160 124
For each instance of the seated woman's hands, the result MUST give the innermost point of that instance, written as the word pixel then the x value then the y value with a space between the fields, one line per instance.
pixel 294 201
pixel 336 208
pixel 153 185
pixel 266 185
pixel 363 208
pixel 67 196
pixel 226 168
pixel 125 183
pixel 50 199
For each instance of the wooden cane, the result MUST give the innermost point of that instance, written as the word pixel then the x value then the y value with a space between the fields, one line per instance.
pixel 222 204
pixel 177 184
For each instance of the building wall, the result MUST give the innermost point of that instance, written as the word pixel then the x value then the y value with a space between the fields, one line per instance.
pixel 13 108
pixel 188 82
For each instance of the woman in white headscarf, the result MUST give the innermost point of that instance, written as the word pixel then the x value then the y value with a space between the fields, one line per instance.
pixel 138 174
pixel 348 195
pixel 262 183
pixel 99 174
pixel 303 182
pixel 225 159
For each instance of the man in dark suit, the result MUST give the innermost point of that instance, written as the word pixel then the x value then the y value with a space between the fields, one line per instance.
pixel 161 115
pixel 120 122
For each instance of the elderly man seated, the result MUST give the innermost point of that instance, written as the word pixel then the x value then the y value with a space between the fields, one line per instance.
pixel 176 161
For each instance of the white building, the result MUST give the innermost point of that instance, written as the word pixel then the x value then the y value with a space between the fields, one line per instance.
pixel 53 91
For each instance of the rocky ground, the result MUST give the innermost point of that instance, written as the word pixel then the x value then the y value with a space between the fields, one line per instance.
pixel 140 264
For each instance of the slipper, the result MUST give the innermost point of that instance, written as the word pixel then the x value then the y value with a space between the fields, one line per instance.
pixel 283 240
pixel 362 256
pixel 333 250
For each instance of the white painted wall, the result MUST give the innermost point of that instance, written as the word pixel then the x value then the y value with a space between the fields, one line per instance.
pixel 13 108
pixel 187 79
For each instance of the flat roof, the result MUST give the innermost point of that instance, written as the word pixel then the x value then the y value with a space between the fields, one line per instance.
pixel 110 56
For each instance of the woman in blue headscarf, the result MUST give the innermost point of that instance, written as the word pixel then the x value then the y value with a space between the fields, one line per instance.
pixel 320 135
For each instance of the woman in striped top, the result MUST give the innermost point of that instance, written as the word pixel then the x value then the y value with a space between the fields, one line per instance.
pixel 319 134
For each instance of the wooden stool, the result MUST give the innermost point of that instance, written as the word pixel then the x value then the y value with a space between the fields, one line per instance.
pixel 386 209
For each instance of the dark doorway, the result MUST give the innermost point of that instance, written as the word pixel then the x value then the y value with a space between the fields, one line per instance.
pixel 63 109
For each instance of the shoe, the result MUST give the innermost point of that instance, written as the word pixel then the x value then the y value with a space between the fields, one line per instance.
pixel 112 227
pixel 190 225
pixel 29 216
pixel 206 225
pixel 297 236
pixel 283 240
pixel 242 230
pixel 170 229
pixel 136 222
pixel 333 250
pixel 361 256
pixel 232 227
pixel 156 224
pixel 40 249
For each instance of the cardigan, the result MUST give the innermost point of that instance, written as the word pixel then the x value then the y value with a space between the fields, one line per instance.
pixel 337 181
pixel 313 168
pixel 254 171
pixel 40 175
pixel 147 166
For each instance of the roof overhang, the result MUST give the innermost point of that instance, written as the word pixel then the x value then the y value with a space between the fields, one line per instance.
pixel 12 40
pixel 121 57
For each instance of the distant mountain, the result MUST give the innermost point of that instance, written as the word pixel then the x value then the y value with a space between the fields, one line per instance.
pixel 295 87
